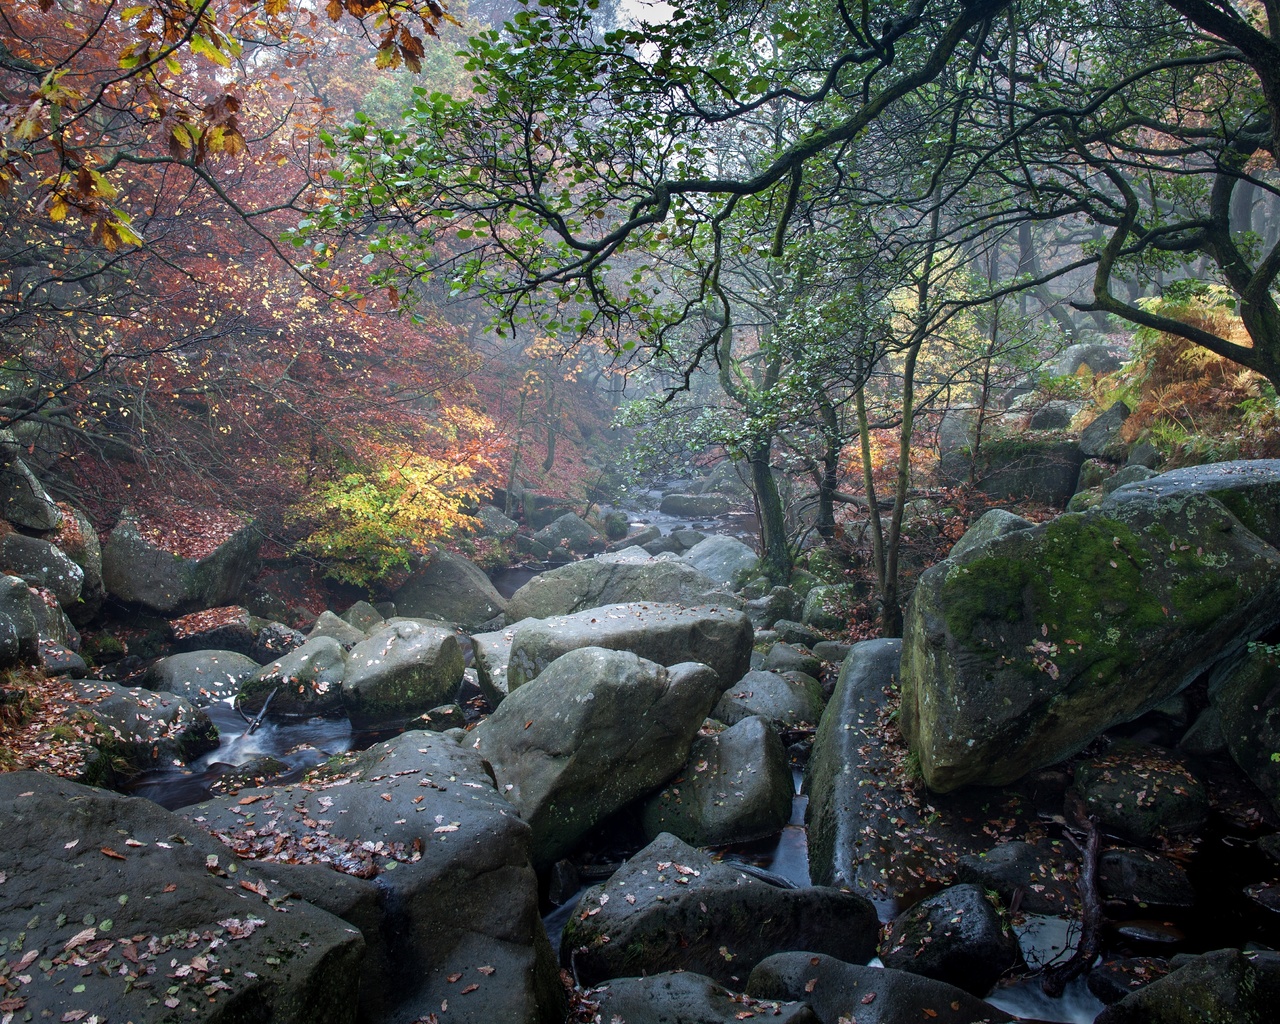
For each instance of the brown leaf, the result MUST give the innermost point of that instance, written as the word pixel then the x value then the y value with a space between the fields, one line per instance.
pixel 249 800
pixel 170 888
pixel 80 938
pixel 385 796
pixel 528 723
pixel 486 971
pixel 256 887
pixel 12 1004
pixel 112 853
pixel 868 999
pixel 470 988
pixel 810 984
pixel 451 978
pixel 929 1013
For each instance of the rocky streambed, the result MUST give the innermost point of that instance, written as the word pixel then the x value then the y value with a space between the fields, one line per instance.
pixel 1086 765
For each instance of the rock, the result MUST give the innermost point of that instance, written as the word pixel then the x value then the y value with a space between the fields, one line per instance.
pixel 794 703
pixel 1112 980
pixel 1127 475
pixel 1225 985
pixel 595 582
pixel 597 729
pixel 688 999
pixel 333 627
pixel 957 430
pixel 202 677
pixel 617 524
pixel 492 654
pixel 779 604
pixel 19 631
pixel 148 565
pixel 443 886
pixel 569 536
pixel 1036 873
pixel 1246 698
pixel 829 607
pixel 96 878
pixel 79 540
pixel 831 652
pixel 664 633
pixel 1250 488
pixel 1056 414
pixel 721 558
pixel 441 719
pixel 701 915
pixel 641 534
pixel 694 506
pixel 796 633
pixel 783 658
pixel 1092 474
pixel 1101 438
pixel 274 640
pixel 957 936
pixel 1205 735
pixel 540 510
pixel 451 588
pixel 1026 467
pixel 401 671
pixel 735 787
pixel 990 525
pixel 23 500
pixel 307 681
pixel 1142 793
pixel 56 660
pixel 677 542
pixel 1142 877
pixel 39 564
pixel 494 524
pixel 869 828
pixel 126 731
pixel 1090 359
pixel 868 995
pixel 230 629
pixel 52 624
pixel 1145 454
pixel 364 616
pixel 1021 652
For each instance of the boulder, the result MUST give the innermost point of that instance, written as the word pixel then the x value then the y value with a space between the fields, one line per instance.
pixel 786 703
pixel 274 640
pixel 112 915
pixel 1250 488
pixel 868 995
pixel 996 522
pixel 231 628
pixel 600 581
pixel 1145 878
pixel 451 588
pixel 493 523
pixel 19 629
pixel 688 999
pixel 664 633
pixel 40 564
pixel 1142 793
pixel 202 677
pixel 735 787
pixel 568 537
pixel 492 654
pixel 796 633
pixel 1246 700
pixel 706 916
pixel 1022 651
pixel 23 499
pixel 829 607
pixel 432 865
pixel 335 627
pixel 364 616
pixel 1035 874
pixel 1127 475
pixel 151 563
pixel 1225 985
pixel 677 542
pixel 779 604
pixel 1038 468
pixel 597 729
pixel 1055 414
pixel 1091 359
pixel 1101 438
pixel 76 536
pixel 401 671
pixel 783 658
pixel 307 681
pixel 694 506
pixel 721 558
pixel 957 936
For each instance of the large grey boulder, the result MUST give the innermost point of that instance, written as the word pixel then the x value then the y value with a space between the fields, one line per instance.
pixel 694 506
pixel 665 633
pixel 568 537
pixel 1141 792
pixel 306 681
pixel 1101 438
pixel 401 671
pixel 671 906
pixel 735 787
pixel 721 558
pixel 689 999
pixel 1225 985
pixel 791 701
pixel 1021 652
pixel 410 842
pixel 1043 469
pixel 1246 701
pixel 113 917
pixel 1090 358
pixel 202 677
pixel 990 525
pixel 451 588
pixel 335 627
pixel 599 581
pixel 41 564
pixel 1250 488
pixel 492 654
pixel 150 567
pixel 23 499
pixel 597 729
pixel 19 630
pixel 868 995
pixel 79 540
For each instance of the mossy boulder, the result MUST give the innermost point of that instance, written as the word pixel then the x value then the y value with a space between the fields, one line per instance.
pixel 1141 792
pixel 792 701
pixel 306 681
pixel 612 579
pixel 1039 467
pixel 1246 701
pixel 1022 651
pixel 682 996
pixel 1226 986
pixel 202 677
pixel 451 588
pixel 401 671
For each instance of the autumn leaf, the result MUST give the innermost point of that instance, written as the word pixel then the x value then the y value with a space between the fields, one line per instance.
pixel 470 988
pixel 107 851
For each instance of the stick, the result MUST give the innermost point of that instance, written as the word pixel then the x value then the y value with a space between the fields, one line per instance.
pixel 257 720
pixel 1056 978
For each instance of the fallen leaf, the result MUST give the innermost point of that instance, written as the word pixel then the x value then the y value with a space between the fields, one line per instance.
pixel 810 984
pixel 385 796
pixel 486 971
pixel 451 978
pixel 80 938
pixel 256 887
pixel 12 1004
pixel 470 988
pixel 868 999
pixel 71 1015
pixel 133 842
pixel 929 1013
pixel 112 853
pixel 528 723
pixel 244 800
pixel 169 888
pixel 74 842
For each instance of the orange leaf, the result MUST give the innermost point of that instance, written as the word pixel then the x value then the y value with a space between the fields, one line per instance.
pixel 470 988
pixel 112 853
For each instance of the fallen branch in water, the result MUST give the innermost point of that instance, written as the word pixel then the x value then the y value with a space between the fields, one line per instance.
pixel 1056 978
